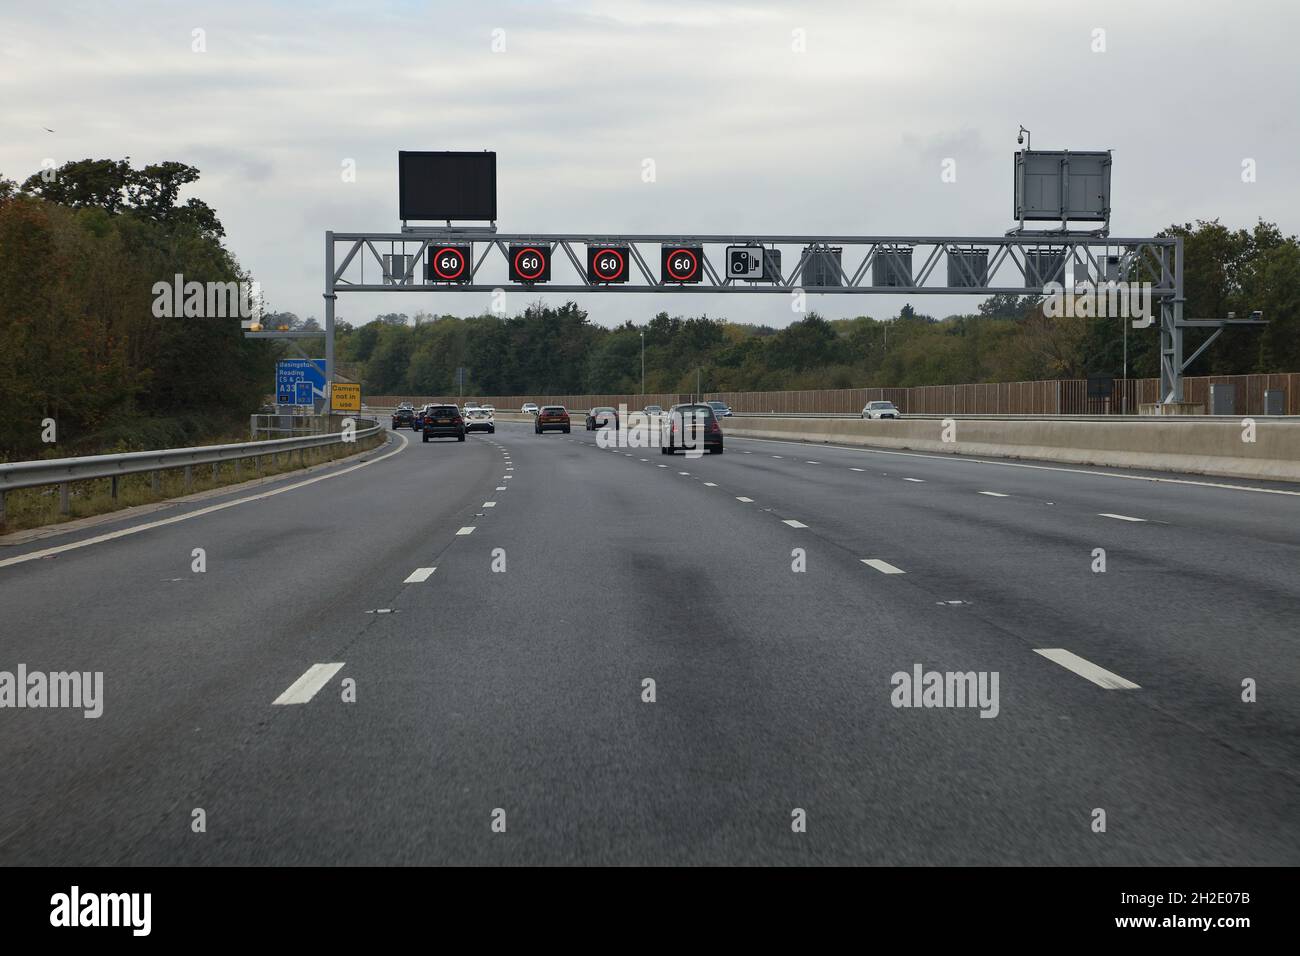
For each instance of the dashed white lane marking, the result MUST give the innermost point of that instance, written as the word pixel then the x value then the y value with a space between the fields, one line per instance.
pixel 748 501
pixel 812 462
pixel 1085 668
pixel 489 504
pixel 857 469
pixel 663 466
pixel 305 687
pixel 683 473
pixel 1106 514
pixel 122 533
pixel 1021 464
pixel 918 480
pixel 778 456
pixel 501 487
pixel 794 524
pixel 466 530
pixel 504 477
pixel 419 574
pixel 884 567
pixel 710 484
pixel 994 494
pixel 645 459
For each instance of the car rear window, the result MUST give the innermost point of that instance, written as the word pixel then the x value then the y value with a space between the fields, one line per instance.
pixel 553 410
pixel 442 411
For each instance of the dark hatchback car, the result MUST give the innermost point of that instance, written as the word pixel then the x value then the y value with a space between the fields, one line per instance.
pixel 688 426
pixel 443 421
pixel 404 418
pixel 600 417
pixel 552 417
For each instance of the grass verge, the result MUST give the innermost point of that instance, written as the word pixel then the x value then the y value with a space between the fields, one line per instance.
pixel 36 507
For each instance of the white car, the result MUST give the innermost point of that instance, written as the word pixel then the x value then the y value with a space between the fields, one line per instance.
pixel 530 408
pixel 881 410
pixel 480 420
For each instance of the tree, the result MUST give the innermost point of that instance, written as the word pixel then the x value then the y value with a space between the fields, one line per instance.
pixel 1008 305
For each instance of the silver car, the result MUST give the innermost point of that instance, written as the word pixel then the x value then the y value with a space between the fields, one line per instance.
pixel 881 410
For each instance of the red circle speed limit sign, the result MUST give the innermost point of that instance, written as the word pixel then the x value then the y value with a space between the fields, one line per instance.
pixel 449 264
pixel 530 263
pixel 681 264
pixel 607 263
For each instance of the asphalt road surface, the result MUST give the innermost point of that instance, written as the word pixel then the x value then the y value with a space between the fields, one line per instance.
pixel 515 698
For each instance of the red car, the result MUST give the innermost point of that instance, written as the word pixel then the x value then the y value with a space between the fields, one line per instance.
pixel 554 417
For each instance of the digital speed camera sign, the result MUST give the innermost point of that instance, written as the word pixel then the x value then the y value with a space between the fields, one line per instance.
pixel 681 263
pixel 744 262
pixel 530 263
pixel 753 263
pixel 607 263
pixel 448 264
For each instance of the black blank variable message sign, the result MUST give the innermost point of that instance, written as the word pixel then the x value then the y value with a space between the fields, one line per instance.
pixel 447 185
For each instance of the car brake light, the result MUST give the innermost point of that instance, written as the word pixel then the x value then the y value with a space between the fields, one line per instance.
pixel 714 427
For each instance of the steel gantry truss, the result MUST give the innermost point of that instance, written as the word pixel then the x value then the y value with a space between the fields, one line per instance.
pixel 1021 264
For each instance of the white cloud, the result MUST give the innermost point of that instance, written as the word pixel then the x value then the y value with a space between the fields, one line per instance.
pixel 747 135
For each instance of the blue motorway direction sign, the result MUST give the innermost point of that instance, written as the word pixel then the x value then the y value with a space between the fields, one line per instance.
pixel 299 381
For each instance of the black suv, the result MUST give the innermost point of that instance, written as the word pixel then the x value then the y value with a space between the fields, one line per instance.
pixel 443 421
pixel 404 418
pixel 687 426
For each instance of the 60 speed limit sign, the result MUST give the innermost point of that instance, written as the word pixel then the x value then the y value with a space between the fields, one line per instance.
pixel 681 264
pixel 530 263
pixel 607 263
pixel 449 264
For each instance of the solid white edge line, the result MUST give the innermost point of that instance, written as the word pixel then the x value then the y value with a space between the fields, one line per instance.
pixel 1086 668
pixel 306 687
pixel 123 532
pixel 419 575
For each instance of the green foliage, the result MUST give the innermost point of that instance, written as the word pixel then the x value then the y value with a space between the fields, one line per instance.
pixel 79 256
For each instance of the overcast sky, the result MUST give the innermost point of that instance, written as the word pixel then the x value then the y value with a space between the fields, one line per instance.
pixel 747 133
